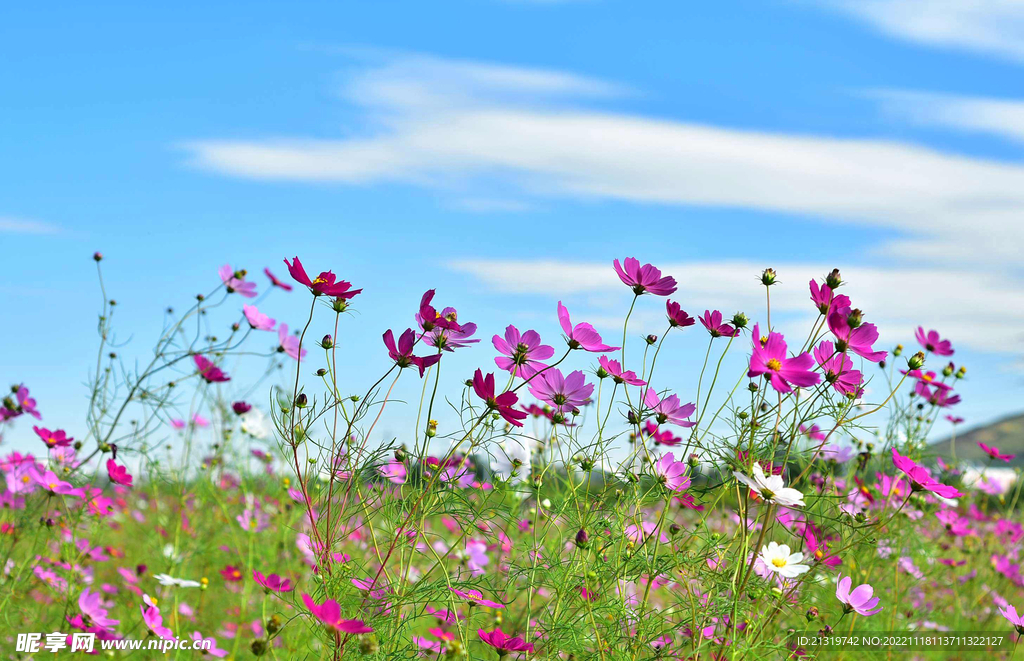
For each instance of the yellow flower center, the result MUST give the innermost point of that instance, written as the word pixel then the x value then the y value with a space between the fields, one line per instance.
pixel 774 365
pixel 319 280
pixel 779 562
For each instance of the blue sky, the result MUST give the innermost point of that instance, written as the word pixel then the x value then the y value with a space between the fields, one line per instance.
pixel 505 152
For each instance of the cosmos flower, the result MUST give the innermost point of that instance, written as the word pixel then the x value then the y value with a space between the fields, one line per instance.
pixel 289 344
pixel 329 613
pixel 644 279
pixel 394 471
pixel 856 337
pixel 771 488
pixel 448 338
pixel 429 318
pixel 167 580
pixel 503 403
pixel 838 369
pixel 231 574
pixel 825 300
pixel 1010 613
pixel 154 621
pixel 325 284
pixel 53 439
pixel 669 410
pixel 402 352
pixel 778 559
pixel 937 394
pixel 565 393
pixel 199 643
pixel 994 453
pixel 274 282
pixel 818 550
pixel 273 583
pixel 713 322
pixel 522 353
pixel 582 335
pixel 671 473
pixel 235 281
pixel 241 408
pixel 613 369
pixel 677 317
pixel 504 643
pixel 859 600
pixel 24 404
pixel 92 607
pixel 210 372
pixel 769 358
pixel 956 420
pixel 118 474
pixel 257 320
pixel 476 598
pixel 932 342
pixel 920 478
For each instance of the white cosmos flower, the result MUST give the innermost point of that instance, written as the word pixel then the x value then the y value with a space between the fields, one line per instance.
pixel 164 579
pixel 778 559
pixel 770 488
pixel 255 423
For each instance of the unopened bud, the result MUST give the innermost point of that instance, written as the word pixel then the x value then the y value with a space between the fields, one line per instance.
pixel 948 369
pixel 98 256
pixel 327 342
pixel 768 277
pixel 339 305
pixel 651 339
pixel 582 539
pixel 833 279
pixel 740 320
pixel 812 613
pixel 916 361
pixel 301 401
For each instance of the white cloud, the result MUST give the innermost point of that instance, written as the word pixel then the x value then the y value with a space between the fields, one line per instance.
pixel 988 26
pixel 1002 118
pixel 453 125
pixel 975 309
pixel 22 226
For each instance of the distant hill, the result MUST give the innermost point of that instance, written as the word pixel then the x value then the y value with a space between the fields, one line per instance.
pixel 1006 434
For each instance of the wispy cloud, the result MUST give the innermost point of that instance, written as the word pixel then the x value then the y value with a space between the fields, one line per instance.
pixel 988 26
pixel 1002 118
pixel 9 225
pixel 444 124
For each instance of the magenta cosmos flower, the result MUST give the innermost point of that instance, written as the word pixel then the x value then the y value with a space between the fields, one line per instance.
pixel 504 643
pixel 644 279
pixel 91 605
pixel 53 439
pixel 402 352
pixel 818 550
pixel 671 473
pixel 118 474
pixel 677 317
pixel 325 284
pixel 769 358
pixel 275 282
pixel 1010 613
pixel 24 404
pixel 920 478
pixel 713 322
pixel 273 583
pixel 825 300
pixel 210 372
pixel 613 369
pixel 329 613
pixel 428 318
pixel 852 335
pixel 933 343
pixel 582 335
pixel 235 281
pixel 838 369
pixel 860 600
pixel 522 352
pixel 504 403
pixel 476 598
pixel 257 320
pixel 994 452
pixel 669 409
pixel 565 393
pixel 289 344
pixel 448 336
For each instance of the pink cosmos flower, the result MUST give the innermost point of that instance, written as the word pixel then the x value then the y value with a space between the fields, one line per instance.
pixel 273 583
pixel 669 409
pixel 210 372
pixel 856 337
pixel 213 650
pixel 235 281
pixel 118 474
pixel 956 420
pixel 838 369
pixel 94 611
pixel 769 358
pixel 503 403
pixel 394 471
pixel 644 279
pixel 522 353
pixel 429 318
pixel 932 342
pixel 49 481
pixel 231 574
pixel 994 453
pixel 329 613
pixel 24 404
pixel 253 519
pixel 154 621
pixel 825 300
pixel 1010 613
pixel 672 473
pixel 713 322
pixel 257 320
pixel 449 339
pixel 582 335
pixel 677 317
pixel 920 478
pixel 476 598
pixel 818 550
pixel 289 344
pixel 938 395
pixel 565 393
pixel 241 408
pixel 402 352
pixel 325 284
pixel 274 282
pixel 613 369
pixel 53 439
pixel 860 600
pixel 504 643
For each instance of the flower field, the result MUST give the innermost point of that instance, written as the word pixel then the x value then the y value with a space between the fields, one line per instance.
pixel 568 499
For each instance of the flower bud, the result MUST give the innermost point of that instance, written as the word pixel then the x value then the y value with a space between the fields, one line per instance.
pixel 582 539
pixel 855 318
pixel 898 350
pixel 327 342
pixel 812 613
pixel 301 401
pixel 881 364
pixel 693 461
pixel 961 373
pixel 740 320
pixel 651 339
pixel 916 361
pixel 98 256
pixel 768 277
pixel 833 279
pixel 400 454
pixel 752 387
pixel 601 373
pixel 339 305
pixel 948 369
pixel 675 529
pixel 258 647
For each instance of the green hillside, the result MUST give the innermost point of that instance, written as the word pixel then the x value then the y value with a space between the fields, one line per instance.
pixel 1006 434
